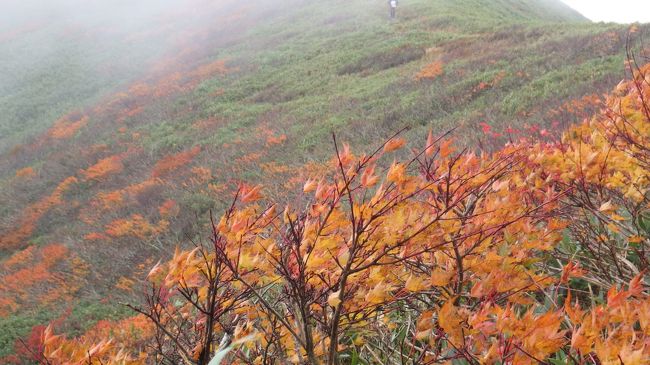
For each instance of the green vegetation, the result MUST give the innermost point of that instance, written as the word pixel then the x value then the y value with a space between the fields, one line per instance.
pixel 18 326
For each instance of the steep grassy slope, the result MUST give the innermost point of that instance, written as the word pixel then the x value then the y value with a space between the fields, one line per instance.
pixel 68 54
pixel 103 173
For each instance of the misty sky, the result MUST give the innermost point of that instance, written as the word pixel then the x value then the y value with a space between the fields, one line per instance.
pixel 619 11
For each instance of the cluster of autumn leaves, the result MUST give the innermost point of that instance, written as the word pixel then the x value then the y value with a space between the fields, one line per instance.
pixel 448 255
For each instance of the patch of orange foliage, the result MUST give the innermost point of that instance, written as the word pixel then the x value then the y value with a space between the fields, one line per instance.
pixel 19 258
pixel 248 158
pixel 430 71
pixel 95 236
pixel 135 190
pixel 25 173
pixel 27 223
pixel 130 113
pixel 271 140
pixel 198 179
pixel 29 277
pixel 139 90
pixel 104 167
pixel 217 190
pixel 173 162
pixel 125 284
pixel 274 168
pixel 214 68
pixel 111 199
pixel 135 226
pixel 131 333
pixel 168 208
pixel 168 85
pixel 65 128
pixel 122 329
pixel 200 175
pixel 490 84
pixel 206 124
pixel 272 137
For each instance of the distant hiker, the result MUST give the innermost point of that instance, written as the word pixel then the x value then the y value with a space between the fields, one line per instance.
pixel 393 5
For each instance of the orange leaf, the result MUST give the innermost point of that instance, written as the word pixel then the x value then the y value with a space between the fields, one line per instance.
pixel 446 148
pixel 430 149
pixel 394 144
pixel 249 194
pixel 334 299
pixel 635 287
pixel 310 185
pixel 368 178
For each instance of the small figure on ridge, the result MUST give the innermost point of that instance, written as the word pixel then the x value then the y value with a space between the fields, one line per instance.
pixel 393 6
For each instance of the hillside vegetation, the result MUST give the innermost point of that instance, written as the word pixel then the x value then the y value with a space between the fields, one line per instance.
pixel 116 144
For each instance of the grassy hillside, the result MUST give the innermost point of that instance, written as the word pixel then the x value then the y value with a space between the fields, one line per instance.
pixel 108 164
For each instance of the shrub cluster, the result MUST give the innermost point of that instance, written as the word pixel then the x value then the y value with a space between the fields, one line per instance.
pixel 535 253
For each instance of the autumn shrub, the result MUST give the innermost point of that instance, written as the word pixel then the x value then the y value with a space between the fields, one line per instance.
pixel 135 226
pixel 605 163
pixel 25 173
pixel 172 162
pixel 30 275
pixel 430 71
pixel 104 167
pixel 67 126
pixel 27 223
pixel 534 253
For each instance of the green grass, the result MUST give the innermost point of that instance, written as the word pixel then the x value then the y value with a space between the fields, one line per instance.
pixel 18 326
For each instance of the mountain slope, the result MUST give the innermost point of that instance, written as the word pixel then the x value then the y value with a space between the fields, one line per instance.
pixel 115 169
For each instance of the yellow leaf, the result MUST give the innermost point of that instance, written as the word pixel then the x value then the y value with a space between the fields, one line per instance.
pixel 396 173
pixel 613 227
pixel 635 239
pixel 415 284
pixel 440 277
pixel 424 325
pixel 334 299
pixel 499 185
pixel 616 217
pixel 607 207
pixel 629 356
pixel 310 185
pixel 344 256
pixel 450 321
pixel 378 294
